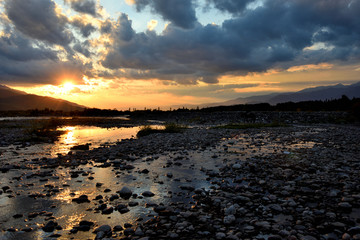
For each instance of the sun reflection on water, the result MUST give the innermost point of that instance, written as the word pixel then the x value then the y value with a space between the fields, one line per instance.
pixel 72 220
pixel 69 138
pixel 66 195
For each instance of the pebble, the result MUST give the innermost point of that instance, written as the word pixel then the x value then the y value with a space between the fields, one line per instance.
pixel 148 194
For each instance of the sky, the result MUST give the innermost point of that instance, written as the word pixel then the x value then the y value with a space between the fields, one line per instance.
pixel 159 53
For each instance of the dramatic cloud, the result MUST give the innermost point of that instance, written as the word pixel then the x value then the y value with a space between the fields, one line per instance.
pixel 83 6
pixel 256 37
pixel 16 47
pixel 277 34
pixel 83 48
pixel 85 28
pixel 26 59
pixel 231 6
pixel 180 12
pixel 21 61
pixel 39 20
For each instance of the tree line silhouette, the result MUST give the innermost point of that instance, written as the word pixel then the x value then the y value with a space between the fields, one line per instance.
pixel 342 104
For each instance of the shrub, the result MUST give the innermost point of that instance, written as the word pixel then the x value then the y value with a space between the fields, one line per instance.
pixel 169 128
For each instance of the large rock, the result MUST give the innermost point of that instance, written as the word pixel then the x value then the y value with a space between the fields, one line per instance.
pixel 50 226
pixel 104 228
pixel 125 193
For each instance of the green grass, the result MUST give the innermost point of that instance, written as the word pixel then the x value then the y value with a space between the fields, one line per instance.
pixel 169 128
pixel 249 125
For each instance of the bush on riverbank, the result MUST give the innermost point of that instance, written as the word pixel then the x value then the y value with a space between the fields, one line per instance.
pixel 169 128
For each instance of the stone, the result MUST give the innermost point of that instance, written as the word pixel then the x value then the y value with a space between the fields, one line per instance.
pixel 118 228
pixel 125 193
pixel 124 210
pixel 128 225
pixel 230 210
pixel 50 226
pixel 220 235
pixel 148 194
pixel 81 199
pixel 229 219
pixel 129 231
pixel 236 166
pixel 346 236
pixel 145 171
pixel 104 228
pixel 107 210
pixel 113 197
pixel 354 230
pixel 139 232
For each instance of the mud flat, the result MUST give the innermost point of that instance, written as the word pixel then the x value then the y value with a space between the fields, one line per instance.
pixel 295 182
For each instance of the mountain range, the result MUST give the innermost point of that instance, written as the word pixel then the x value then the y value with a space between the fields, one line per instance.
pixel 11 99
pixel 307 94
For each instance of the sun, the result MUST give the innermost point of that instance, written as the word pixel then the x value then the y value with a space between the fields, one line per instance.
pixel 67 87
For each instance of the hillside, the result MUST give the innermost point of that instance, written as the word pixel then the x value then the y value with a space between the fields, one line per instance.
pixel 11 99
pixel 308 94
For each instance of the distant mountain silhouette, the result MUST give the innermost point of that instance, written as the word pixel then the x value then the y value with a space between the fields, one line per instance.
pixel 9 92
pixel 11 99
pixel 308 94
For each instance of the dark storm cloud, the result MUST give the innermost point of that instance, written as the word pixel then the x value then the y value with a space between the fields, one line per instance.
pixel 25 60
pixel 180 12
pixel 83 6
pixel 42 71
pixel 39 20
pixel 22 60
pixel 16 47
pixel 106 26
pixel 85 28
pixel 83 48
pixel 273 35
pixel 231 6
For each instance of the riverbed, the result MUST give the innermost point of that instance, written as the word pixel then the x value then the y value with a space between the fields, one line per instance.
pixel 191 177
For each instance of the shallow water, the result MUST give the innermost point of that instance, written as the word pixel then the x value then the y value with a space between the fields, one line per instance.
pixel 187 168
pixel 68 213
pixel 73 135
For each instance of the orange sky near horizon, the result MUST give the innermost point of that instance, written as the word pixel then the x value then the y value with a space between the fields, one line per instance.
pixel 142 94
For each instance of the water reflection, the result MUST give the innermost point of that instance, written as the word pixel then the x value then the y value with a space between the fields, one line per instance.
pixel 69 138
pixel 71 220
pixel 73 135
pixel 167 190
pixel 64 196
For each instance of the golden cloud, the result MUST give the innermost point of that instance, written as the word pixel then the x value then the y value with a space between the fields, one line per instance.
pixel 310 67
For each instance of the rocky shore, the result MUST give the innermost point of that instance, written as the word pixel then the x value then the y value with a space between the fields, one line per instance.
pixel 313 194
pixel 295 182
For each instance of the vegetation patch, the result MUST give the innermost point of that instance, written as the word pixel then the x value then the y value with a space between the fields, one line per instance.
pixel 250 125
pixel 43 131
pixel 169 128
